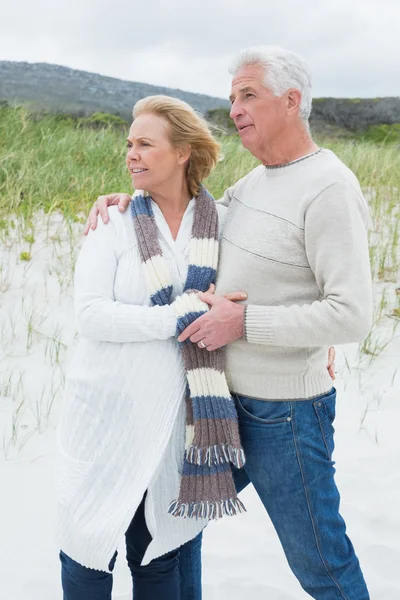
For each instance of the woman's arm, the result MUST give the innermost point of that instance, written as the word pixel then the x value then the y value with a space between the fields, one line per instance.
pixel 99 316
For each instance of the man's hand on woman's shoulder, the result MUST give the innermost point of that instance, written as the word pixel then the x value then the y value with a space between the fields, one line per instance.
pixel 100 207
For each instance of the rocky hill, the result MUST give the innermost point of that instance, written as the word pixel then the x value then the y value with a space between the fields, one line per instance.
pixel 52 88
pixel 356 113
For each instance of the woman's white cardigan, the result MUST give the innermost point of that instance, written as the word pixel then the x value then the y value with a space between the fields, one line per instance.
pixel 122 426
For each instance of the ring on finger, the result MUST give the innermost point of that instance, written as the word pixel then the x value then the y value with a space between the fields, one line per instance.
pixel 202 344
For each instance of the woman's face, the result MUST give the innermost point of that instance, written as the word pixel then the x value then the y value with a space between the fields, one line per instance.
pixel 151 160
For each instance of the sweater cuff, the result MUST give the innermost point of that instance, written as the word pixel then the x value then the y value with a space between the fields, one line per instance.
pixel 259 324
pixel 169 324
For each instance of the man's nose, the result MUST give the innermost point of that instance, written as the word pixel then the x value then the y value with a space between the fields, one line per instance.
pixel 236 110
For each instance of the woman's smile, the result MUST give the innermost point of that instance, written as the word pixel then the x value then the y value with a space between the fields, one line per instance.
pixel 137 172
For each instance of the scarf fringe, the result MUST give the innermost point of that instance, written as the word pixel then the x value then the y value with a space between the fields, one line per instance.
pixel 214 455
pixel 211 510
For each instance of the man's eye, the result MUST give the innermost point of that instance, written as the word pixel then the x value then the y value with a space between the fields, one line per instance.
pixel 249 95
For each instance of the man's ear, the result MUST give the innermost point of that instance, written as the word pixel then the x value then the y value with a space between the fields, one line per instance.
pixel 293 101
pixel 184 154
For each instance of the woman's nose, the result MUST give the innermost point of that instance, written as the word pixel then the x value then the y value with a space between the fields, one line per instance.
pixel 133 154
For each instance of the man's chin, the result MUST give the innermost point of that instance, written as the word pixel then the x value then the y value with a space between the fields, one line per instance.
pixel 246 142
pixel 246 135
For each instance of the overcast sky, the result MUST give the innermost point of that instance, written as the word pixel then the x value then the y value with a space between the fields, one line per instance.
pixel 352 46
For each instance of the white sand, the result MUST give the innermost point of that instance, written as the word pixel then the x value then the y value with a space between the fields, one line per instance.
pixel 242 555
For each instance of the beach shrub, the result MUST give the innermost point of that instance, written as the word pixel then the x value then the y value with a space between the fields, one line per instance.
pixel 103 120
pixel 383 134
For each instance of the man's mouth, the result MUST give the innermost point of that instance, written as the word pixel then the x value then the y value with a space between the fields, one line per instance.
pixel 241 127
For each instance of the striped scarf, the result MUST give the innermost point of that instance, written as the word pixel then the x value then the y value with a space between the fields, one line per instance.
pixel 207 489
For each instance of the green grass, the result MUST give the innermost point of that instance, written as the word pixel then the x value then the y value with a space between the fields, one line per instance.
pixel 383 134
pixel 59 163
pixel 56 163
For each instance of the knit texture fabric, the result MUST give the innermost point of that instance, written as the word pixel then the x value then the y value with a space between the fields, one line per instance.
pixel 212 434
pixel 296 240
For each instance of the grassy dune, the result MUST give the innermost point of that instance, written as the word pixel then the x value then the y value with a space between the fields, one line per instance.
pixel 51 170
pixel 54 162
pixel 61 164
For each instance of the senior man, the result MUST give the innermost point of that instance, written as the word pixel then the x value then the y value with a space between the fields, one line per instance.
pixel 295 239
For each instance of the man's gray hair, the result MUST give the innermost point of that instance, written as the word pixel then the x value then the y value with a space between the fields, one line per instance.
pixel 283 70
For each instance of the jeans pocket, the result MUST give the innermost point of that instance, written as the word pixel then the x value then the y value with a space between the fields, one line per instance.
pixel 325 409
pixel 267 412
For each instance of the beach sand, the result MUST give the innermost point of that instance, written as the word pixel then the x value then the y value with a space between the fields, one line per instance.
pixel 242 555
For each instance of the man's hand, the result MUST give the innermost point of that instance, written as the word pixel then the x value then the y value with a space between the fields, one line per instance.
pixel 223 324
pixel 101 207
pixel 232 296
pixel 331 362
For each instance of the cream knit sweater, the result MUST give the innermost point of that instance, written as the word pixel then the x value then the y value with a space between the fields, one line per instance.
pixel 295 239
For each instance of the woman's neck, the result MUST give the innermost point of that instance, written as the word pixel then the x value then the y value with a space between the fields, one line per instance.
pixel 172 199
pixel 173 202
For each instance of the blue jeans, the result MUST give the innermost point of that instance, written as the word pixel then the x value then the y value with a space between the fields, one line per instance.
pixel 289 448
pixel 159 580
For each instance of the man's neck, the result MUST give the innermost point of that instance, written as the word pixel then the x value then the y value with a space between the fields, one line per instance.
pixel 289 148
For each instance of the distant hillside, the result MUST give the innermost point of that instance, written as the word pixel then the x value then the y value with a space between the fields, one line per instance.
pixel 356 113
pixel 52 88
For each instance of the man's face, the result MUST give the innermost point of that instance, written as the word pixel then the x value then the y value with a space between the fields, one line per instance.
pixel 260 117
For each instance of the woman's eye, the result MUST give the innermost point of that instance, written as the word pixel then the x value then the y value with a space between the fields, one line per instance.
pixel 130 145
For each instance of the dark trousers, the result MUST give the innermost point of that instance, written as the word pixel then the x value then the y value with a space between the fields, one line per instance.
pixel 159 580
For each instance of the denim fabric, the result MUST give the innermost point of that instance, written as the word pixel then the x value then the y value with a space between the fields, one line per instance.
pixel 289 446
pixel 190 569
pixel 159 580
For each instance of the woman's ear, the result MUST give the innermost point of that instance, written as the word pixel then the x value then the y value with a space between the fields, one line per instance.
pixel 184 154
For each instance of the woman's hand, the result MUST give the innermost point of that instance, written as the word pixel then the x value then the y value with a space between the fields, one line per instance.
pixel 100 207
pixel 331 362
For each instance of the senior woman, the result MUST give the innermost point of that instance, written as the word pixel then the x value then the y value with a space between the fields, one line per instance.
pixel 122 462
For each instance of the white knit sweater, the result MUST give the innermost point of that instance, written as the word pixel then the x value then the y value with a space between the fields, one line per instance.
pixel 122 426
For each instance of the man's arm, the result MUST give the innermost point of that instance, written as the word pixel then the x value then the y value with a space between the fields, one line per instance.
pixel 337 249
pixel 227 197
pixel 336 241
pixel 100 207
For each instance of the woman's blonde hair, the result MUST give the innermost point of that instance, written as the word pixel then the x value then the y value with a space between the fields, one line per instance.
pixel 186 128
